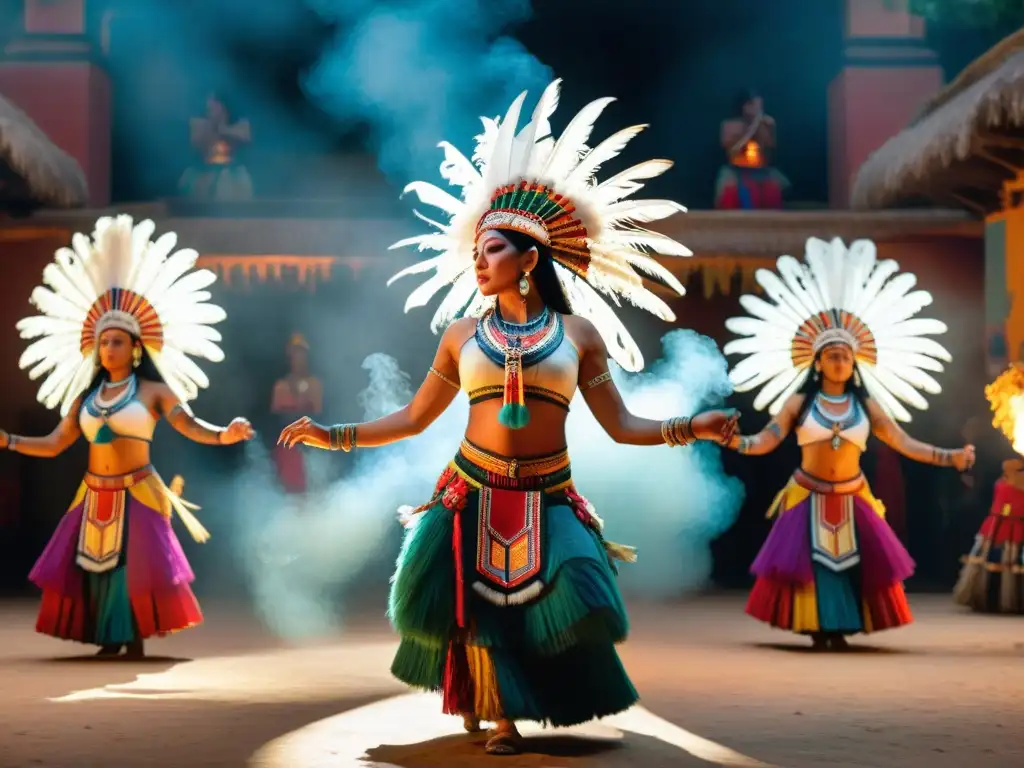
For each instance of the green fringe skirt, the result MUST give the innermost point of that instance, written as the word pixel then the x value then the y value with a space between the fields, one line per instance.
pixel 505 596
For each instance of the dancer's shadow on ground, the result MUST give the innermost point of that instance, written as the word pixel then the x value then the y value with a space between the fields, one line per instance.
pixel 539 751
pixel 167 661
pixel 851 650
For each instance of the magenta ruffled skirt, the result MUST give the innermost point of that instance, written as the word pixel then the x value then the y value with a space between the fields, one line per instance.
pixel 147 594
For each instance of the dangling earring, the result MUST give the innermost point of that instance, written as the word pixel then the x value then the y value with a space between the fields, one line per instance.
pixel 817 373
pixel 524 285
pixel 856 378
pixel 136 357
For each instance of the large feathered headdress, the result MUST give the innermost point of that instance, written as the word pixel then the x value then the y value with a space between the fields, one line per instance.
pixel 120 279
pixel 530 182
pixel 838 296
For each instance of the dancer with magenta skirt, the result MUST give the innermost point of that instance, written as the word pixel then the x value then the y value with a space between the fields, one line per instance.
pixel 835 352
pixel 119 316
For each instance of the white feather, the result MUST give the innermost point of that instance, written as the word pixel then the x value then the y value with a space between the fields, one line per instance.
pixel 121 255
pixel 504 155
pixel 835 281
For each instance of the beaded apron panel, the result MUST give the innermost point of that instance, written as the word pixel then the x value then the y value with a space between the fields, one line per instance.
pixel 102 533
pixel 508 546
pixel 833 534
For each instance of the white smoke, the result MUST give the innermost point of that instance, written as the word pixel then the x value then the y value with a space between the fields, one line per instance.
pixel 668 502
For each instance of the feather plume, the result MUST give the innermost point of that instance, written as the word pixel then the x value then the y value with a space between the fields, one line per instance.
pixel 120 255
pixel 835 284
pixel 620 252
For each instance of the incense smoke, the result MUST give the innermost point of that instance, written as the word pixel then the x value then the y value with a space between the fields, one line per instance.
pixel 417 72
pixel 421 71
pixel 669 503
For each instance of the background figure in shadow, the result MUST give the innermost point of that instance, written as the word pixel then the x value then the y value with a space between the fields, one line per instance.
pixel 296 394
pixel 748 180
pixel 220 176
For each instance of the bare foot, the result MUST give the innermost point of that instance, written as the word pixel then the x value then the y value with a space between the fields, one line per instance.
pixel 108 650
pixel 471 723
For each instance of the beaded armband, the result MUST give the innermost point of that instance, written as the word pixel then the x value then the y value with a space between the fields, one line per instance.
pixel 443 378
pixel 677 431
pixel 598 380
pixel 343 437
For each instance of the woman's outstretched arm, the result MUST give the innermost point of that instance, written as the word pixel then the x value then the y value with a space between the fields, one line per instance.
pixel 432 398
pixel 64 435
pixel 606 403
pixel 772 436
pixel 889 432
pixel 195 429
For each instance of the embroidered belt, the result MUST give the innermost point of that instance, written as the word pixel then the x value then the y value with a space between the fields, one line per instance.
pixel 817 485
pixel 118 482
pixel 528 473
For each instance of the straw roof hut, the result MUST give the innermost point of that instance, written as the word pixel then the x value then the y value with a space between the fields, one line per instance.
pixel 34 172
pixel 966 141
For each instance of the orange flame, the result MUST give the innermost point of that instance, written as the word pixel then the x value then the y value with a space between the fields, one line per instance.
pixel 1006 398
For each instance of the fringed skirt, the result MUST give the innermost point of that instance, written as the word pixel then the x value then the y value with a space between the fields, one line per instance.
pixel 992 577
pixel 505 595
pixel 114 571
pixel 830 563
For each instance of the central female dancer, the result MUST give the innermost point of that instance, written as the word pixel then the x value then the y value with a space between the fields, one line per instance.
pixel 836 353
pixel 505 596
pixel 119 316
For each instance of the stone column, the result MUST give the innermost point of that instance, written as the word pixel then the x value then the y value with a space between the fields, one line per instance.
pixel 888 72
pixel 51 71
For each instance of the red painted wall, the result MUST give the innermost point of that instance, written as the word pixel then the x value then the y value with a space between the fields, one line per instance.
pixel 70 102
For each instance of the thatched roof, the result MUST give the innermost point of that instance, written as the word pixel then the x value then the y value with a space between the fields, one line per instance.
pixel 35 172
pixel 965 142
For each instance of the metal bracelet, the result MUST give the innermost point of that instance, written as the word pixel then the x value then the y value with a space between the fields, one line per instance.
pixel 677 431
pixel 598 380
pixel 342 437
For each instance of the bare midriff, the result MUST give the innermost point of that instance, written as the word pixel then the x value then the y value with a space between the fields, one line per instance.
pixel 833 464
pixel 120 457
pixel 544 434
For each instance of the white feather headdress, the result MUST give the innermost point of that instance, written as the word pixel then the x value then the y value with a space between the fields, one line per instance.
pixel 838 296
pixel 532 183
pixel 120 279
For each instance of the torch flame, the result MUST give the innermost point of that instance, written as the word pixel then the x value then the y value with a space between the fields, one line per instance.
pixel 1006 397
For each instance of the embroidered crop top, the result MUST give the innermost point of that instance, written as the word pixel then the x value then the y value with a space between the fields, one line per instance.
pixel 124 416
pixel 552 379
pixel 820 425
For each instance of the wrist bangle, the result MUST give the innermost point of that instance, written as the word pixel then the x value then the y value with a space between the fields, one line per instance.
pixel 677 431
pixel 342 437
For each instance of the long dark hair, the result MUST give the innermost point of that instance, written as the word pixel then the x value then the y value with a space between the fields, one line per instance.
pixel 544 276
pixel 812 386
pixel 146 371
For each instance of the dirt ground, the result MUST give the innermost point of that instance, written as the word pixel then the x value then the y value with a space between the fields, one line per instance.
pixel 718 689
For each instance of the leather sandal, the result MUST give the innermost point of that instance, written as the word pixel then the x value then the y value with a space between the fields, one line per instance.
pixel 504 743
